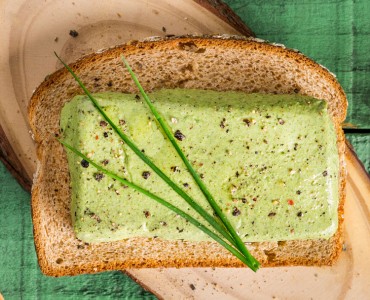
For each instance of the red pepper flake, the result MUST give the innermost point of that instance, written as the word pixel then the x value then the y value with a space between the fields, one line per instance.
pixel 96 137
pixel 290 202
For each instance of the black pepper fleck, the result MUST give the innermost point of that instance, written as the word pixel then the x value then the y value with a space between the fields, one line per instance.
pixel 192 286
pixel 105 134
pixel 175 169
pixel 137 97
pixel 272 214
pixel 299 214
pixel 98 176
pixel 236 212
pixel 146 214
pixel 325 173
pixel 179 135
pixel 247 122
pixel 103 123
pixel 84 163
pixel 186 184
pixel 73 33
pixel 105 162
pixel 122 122
pixel 298 192
pixel 145 174
pixel 281 121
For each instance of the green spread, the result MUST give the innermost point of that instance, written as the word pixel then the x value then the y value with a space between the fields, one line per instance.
pixel 270 161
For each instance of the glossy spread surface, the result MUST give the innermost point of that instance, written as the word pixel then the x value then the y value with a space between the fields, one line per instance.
pixel 270 161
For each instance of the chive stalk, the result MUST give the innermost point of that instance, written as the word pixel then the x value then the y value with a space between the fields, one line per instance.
pixel 248 259
pixel 207 216
pixel 161 201
pixel 167 132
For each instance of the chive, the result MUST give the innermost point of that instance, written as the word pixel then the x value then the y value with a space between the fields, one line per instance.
pixel 200 210
pixel 208 217
pixel 168 133
pixel 161 201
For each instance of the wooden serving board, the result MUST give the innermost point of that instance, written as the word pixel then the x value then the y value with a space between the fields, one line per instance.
pixel 32 30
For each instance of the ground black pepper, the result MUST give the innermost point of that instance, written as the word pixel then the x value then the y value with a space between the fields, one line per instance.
pixel 73 33
pixel 179 135
pixel 105 134
pixel 98 176
pixel 145 174
pixel 236 212
pixel 103 123
pixel 85 163
pixel 175 169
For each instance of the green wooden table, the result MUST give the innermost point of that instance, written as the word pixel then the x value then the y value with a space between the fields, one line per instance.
pixel 334 33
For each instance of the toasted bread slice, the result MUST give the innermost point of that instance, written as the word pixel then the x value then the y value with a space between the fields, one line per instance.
pixel 215 63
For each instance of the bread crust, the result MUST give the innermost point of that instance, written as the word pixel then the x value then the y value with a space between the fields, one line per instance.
pixel 160 64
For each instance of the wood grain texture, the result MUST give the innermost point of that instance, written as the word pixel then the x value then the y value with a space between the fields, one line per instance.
pixel 333 33
pixel 30 44
pixel 12 163
pixel 348 279
pixel 223 11
pixel 20 277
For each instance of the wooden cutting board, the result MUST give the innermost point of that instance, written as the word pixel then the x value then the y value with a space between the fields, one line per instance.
pixel 32 30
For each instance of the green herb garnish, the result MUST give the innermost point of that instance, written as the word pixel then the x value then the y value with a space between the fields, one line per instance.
pixel 220 224
pixel 161 201
pixel 168 133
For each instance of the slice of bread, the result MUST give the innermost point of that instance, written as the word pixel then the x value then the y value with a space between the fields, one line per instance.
pixel 216 63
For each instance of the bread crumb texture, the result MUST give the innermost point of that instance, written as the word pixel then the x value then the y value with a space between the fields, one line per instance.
pixel 204 63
